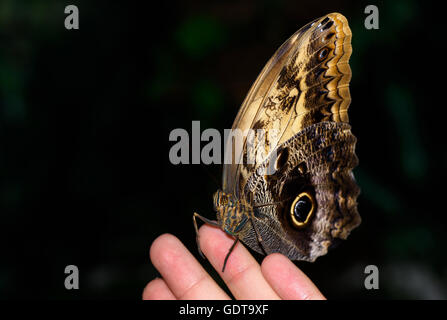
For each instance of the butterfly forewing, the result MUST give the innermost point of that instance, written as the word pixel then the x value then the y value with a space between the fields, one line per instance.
pixel 295 89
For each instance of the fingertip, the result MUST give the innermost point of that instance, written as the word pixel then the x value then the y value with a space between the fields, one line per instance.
pixel 157 289
pixel 164 250
pixel 213 241
pixel 207 231
pixel 288 280
pixel 273 261
pixel 159 242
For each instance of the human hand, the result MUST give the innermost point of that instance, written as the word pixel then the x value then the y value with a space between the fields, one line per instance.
pixel 185 279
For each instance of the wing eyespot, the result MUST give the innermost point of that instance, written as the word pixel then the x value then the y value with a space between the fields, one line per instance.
pixel 328 37
pixel 323 54
pixel 302 209
pixel 328 25
pixel 325 20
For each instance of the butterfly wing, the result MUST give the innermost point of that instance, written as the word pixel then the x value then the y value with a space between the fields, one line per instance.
pixel 306 81
pixel 300 100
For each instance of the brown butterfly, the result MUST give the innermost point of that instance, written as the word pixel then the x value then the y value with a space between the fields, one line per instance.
pixel 310 200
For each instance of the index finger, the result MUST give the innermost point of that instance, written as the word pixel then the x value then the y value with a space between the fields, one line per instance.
pixel 182 273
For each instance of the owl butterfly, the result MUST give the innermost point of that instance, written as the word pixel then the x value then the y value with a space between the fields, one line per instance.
pixel 310 201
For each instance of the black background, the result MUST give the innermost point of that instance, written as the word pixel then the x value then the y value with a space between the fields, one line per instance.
pixel 86 115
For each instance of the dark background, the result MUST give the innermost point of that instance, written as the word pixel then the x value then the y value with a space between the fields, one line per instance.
pixel 85 117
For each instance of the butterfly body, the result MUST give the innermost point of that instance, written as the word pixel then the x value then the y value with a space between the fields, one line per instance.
pixel 298 104
pixel 232 214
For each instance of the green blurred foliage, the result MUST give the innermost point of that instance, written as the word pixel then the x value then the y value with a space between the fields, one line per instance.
pixel 199 36
pixel 403 112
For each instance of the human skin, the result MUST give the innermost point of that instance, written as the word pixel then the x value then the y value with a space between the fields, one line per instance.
pixel 184 278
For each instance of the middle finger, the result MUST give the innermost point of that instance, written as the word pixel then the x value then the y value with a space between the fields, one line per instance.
pixel 242 274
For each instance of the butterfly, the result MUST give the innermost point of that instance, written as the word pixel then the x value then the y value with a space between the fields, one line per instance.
pixel 300 196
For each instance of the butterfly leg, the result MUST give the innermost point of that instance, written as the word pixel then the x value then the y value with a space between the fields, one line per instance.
pixel 207 221
pixel 228 254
